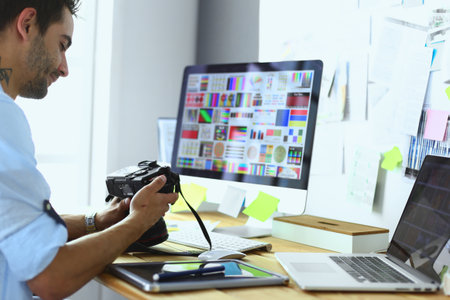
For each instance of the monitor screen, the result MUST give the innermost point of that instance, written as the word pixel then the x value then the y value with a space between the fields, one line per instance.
pixel 248 122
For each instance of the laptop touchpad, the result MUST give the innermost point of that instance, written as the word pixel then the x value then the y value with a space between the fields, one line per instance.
pixel 313 267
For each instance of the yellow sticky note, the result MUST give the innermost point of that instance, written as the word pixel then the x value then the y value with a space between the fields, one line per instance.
pixel 447 91
pixel 391 159
pixel 194 194
pixel 262 207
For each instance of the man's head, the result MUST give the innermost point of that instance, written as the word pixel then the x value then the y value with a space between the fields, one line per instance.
pixel 40 31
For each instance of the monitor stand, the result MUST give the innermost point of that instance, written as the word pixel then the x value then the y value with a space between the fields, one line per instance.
pixel 245 231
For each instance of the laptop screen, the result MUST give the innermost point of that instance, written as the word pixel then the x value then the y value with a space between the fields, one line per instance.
pixel 423 230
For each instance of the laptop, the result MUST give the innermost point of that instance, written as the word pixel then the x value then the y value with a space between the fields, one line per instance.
pixel 417 253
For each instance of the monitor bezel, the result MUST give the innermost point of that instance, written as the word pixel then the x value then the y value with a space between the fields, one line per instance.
pixel 302 183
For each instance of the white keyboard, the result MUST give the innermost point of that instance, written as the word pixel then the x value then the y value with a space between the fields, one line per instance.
pixel 195 238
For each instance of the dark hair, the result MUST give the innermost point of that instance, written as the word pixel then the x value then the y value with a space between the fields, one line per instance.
pixel 48 11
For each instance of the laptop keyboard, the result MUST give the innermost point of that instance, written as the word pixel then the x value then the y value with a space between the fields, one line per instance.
pixel 370 269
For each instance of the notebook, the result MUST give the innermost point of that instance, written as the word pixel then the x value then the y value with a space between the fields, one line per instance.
pixel 418 251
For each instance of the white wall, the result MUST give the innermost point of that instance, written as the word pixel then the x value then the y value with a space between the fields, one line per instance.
pixel 153 41
pixel 228 31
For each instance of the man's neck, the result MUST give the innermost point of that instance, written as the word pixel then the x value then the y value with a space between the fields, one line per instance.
pixel 5 76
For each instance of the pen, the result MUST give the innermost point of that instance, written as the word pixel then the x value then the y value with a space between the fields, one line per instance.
pixel 170 275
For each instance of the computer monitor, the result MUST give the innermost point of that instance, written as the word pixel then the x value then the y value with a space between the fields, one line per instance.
pixel 249 123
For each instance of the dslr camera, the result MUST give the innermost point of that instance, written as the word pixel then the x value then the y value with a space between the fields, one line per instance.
pixel 128 181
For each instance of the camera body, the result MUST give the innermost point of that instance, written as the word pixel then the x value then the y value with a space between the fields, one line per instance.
pixel 128 181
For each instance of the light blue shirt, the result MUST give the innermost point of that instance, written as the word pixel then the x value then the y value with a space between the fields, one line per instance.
pixel 29 237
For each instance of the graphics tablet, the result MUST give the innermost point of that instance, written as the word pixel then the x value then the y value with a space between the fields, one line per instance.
pixel 194 275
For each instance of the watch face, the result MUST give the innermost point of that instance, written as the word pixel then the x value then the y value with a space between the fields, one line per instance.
pixel 90 223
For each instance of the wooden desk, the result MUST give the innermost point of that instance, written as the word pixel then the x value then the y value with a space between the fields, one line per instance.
pixel 262 259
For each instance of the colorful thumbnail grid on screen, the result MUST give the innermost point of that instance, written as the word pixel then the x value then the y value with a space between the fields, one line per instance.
pixel 246 123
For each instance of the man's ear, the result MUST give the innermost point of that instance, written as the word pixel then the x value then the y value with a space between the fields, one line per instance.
pixel 26 21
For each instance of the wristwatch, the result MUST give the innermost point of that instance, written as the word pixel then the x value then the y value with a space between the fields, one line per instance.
pixel 89 220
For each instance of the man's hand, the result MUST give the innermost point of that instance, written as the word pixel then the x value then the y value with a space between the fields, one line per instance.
pixel 116 211
pixel 147 205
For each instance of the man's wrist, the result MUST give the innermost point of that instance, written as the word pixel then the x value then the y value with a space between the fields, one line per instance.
pixel 89 220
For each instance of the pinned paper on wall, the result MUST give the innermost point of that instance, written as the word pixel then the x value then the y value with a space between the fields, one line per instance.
pixel 391 159
pixel 436 124
pixel 447 91
pixel 262 207
pixel 232 201
pixel 195 194
pixel 362 176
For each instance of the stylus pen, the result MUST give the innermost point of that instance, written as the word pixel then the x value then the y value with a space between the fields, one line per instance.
pixel 170 275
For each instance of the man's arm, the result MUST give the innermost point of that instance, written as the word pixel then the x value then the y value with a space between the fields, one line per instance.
pixel 80 260
pixel 113 213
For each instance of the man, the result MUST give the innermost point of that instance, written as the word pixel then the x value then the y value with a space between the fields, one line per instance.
pixel 35 255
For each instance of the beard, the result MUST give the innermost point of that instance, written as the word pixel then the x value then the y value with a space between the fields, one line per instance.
pixel 39 63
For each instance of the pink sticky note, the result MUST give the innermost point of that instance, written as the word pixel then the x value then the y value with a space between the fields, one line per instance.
pixel 436 124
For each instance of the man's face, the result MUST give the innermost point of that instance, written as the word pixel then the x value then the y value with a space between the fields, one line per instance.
pixel 46 59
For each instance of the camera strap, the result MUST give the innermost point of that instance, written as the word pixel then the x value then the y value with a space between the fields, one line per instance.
pixel 199 220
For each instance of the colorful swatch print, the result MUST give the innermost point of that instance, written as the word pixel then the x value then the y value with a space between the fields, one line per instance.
pixel 273 132
pixel 194 99
pixel 189 148
pixel 205 115
pixel 257 100
pixel 219 165
pixel 256 134
pixel 189 131
pixel 265 153
pixel 185 162
pixel 236 83
pixel 288 172
pixel 282 82
pixel 206 149
pixel 279 154
pixel 191 115
pixel 240 168
pixel 222 116
pixel 295 136
pixel 219 149
pixel 271 170
pixel 238 133
pixel 257 169
pixel 234 152
pixel 241 115
pixel 303 78
pixel 256 81
pixel 243 99
pixel 227 100
pixel 252 152
pixel 204 83
pixel 295 155
pixel 282 117
pixel 212 99
pixel 297 100
pixel 265 117
pixel 204 164
pixel 298 118
pixel 220 132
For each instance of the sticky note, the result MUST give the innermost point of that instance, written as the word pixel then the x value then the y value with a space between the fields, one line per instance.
pixel 391 159
pixel 447 91
pixel 232 201
pixel 436 124
pixel 194 194
pixel 262 207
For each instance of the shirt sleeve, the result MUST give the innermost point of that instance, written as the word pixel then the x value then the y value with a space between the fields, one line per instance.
pixel 31 249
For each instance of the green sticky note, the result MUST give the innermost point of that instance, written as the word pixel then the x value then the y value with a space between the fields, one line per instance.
pixel 194 194
pixel 447 91
pixel 262 207
pixel 391 159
